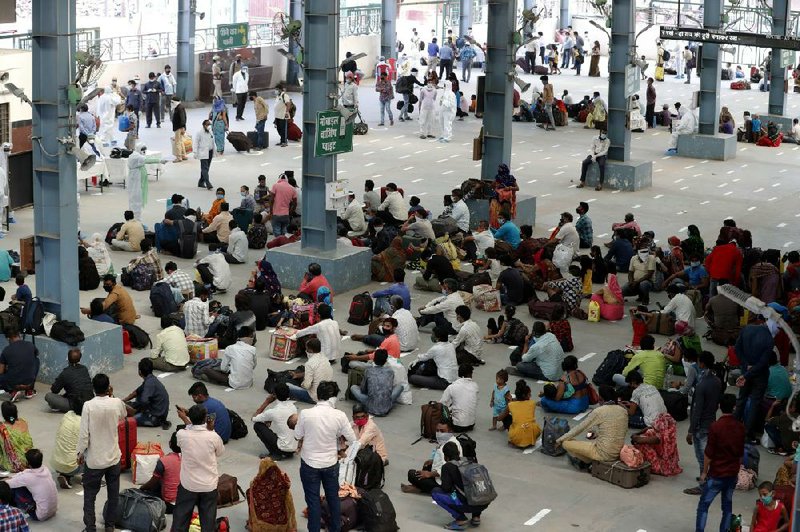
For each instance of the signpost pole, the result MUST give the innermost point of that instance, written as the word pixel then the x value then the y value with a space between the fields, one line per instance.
pixel 710 72
pixel 464 17
pixel 777 96
pixel 185 65
pixel 622 41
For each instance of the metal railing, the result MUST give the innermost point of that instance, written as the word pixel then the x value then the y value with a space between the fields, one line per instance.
pixel 84 37
pixel 365 20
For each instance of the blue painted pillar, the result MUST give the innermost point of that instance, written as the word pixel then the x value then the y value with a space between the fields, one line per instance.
pixel 708 119
pixel 55 184
pixel 321 82
pixel 464 16
pixel 564 19
pixel 292 68
pixel 622 41
pixel 777 97
pixel 389 29
pixel 185 65
pixel 529 4
pixel 499 88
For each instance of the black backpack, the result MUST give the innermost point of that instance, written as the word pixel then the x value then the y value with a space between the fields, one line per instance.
pixel 468 447
pixel 369 469
pixel 516 333
pixel 32 316
pixel 666 55
pixel 376 512
pixel 111 234
pixel 277 377
pixel 614 363
pixel 67 332
pixel 238 426
pixel 162 300
pixel 8 320
pixel 360 309
pixel 138 337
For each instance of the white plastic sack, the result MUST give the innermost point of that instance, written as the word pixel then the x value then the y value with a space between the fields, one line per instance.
pixel 145 466
pixel 562 257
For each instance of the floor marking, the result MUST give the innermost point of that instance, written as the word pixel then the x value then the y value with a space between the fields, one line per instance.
pixel 591 200
pixel 684 188
pixel 678 180
pixel 165 375
pixel 581 416
pixel 658 196
pixel 545 195
pixel 751 208
pixel 421 193
pixel 368 165
pixel 371 152
pixel 265 164
pixel 79 493
pixel 404 156
pixel 730 172
pixel 418 180
pixel 602 235
pixel 706 202
pixel 228 389
pixel 723 185
pixel 781 225
pixel 295 158
pixel 683 229
pixel 786 245
pixel 447 172
pixel 587 356
pixel 636 206
pixel 728 193
pixel 387 148
pixel 559 173
pixel 399 136
pixel 408 168
pixel 736 180
pixel 532 181
pixel 688 167
pixel 420 151
pixel 538 517
pixel 442 160
pixel 456 155
pixel 773 198
pixel 375 140
pixel 777 184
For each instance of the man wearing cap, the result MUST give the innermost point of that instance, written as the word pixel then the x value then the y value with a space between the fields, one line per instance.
pixel 405 87
pixel 235 67
pixel 216 76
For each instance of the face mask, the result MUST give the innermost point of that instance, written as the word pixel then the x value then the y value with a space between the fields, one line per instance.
pixel 243 194
pixel 220 196
pixel 360 422
pixel 695 264
pixel 501 221
pixel 107 288
pixel 602 137
pixel 443 437
pixel 644 254
pixel 766 499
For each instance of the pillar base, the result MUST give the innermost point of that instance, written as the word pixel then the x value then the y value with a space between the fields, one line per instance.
pixel 346 267
pixel 717 147
pixel 526 211
pixel 784 121
pixel 628 175
pixel 101 350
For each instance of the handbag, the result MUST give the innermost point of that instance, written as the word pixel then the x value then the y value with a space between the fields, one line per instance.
pixel 631 456
pixel 228 491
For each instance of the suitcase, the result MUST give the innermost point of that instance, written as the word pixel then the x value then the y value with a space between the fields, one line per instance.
pixel 293 132
pixel 477 149
pixel 239 141
pixel 540 70
pixel 660 323
pixel 27 258
pixel 354 378
pixel 127 441
pixel 280 346
pixel 523 64
pixel 619 474
pixel 560 117
pixel 543 310
pixel 659 73
pixel 252 136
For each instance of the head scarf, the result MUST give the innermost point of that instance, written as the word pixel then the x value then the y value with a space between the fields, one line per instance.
pixel 268 274
pixel 674 241
pixel 613 285
pixel 324 295
pixel 219 105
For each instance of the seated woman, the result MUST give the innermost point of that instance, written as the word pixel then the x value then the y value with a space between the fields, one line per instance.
pixel 570 395
pixel 498 329
pixel 659 445
pixel 88 278
pixel 520 418
pixel 560 327
pixel 599 266
pixel 387 261
pixel 15 437
pixel 610 299
pixel 635 119
pixel 542 271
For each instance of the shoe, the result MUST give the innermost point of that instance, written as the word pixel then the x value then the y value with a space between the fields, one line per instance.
pixel 166 425
pixel 422 137
pixel 16 396
pixel 402 119
pixel 209 188
pixel 381 124
pixel 580 185
pixel 408 119
pixel 148 127
pixel 693 491
pixel 63 483
pixel 431 137
pixel 391 122
pixel 30 394
pixel 158 126
pixel 599 187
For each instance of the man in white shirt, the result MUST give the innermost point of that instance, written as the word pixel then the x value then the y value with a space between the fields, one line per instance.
pixel 482 238
pixel 170 351
pixel 461 398
pixel 195 312
pixel 443 368
pixel 567 234
pixel 393 210
pixel 646 403
pixel 794 133
pixel 459 210
pixel 371 198
pixel 200 447
pixel 469 340
pixel 316 370
pixel 38 480
pixel 167 80
pixel 319 430
pixel 272 428
pixel 238 362
pixel 215 272
pixel 400 379
pixel 240 87
pixel 98 449
pixel 680 305
pixel 442 310
pixel 353 217
pixel 424 480
pixel 236 250
pixel 406 331
pixel 327 331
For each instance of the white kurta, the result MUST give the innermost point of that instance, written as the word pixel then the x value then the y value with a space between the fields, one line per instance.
pixel 687 126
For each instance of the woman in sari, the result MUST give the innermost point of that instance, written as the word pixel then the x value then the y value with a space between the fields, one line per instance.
pixel 505 190
pixel 659 445
pixel 725 115
pixel 266 272
pixel 520 418
pixel 16 440
pixel 765 278
pixel 594 65
pixel 609 298
pixel 571 392
pixel 693 246
pixel 387 261
pixel 219 123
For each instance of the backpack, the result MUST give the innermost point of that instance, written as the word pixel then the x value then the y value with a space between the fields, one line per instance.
pixel 432 413
pixel 478 487
pixel 677 404
pixel 8 319
pixel 304 315
pixel 376 512
pixel 401 86
pixel 162 300
pixel 111 234
pixel 139 338
pixel 238 426
pixel 751 457
pixel 516 333
pixel 554 428
pixel 139 511
pixel 32 316
pixel 276 377
pixel 369 469
pixel 124 123
pixel 360 309
pixel 67 332
pixel 211 363
pixel 666 56
pixel 614 363
pixel 468 447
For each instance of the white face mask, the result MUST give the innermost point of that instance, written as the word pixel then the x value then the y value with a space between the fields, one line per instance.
pixel 443 437
pixel 643 255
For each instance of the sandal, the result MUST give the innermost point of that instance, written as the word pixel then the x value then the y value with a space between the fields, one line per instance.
pixel 475 522
pixel 454 525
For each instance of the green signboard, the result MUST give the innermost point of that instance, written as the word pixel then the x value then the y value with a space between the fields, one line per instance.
pixel 232 35
pixel 330 140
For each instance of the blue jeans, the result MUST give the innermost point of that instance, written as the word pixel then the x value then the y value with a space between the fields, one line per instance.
pixel 753 391
pixel 279 224
pixel 466 70
pixel 298 393
pixel 329 479
pixel 404 110
pixel 387 105
pixel 711 488
pixel 262 139
pixel 361 397
pixel 455 507
pixel 700 439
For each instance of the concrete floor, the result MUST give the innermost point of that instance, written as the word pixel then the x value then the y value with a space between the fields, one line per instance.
pixel 755 189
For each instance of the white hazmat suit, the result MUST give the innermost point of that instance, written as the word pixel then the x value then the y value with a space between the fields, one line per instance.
pixel 137 179
pixel 447 112
pixel 106 111
pixel 686 126
pixel 427 110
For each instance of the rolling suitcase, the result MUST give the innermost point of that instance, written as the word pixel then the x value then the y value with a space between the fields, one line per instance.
pixel 293 132
pixel 239 141
pixel 619 474
pixel 127 441
pixel 252 136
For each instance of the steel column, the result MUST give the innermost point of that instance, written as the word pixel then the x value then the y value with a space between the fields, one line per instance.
pixel 185 63
pixel 321 82
pixel 529 4
pixel 622 42
pixel 389 29
pixel 777 96
pixel 292 68
pixel 564 19
pixel 710 72
pixel 55 183
pixel 464 16
pixel 499 87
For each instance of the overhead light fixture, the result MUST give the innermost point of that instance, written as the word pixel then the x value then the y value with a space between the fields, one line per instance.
pixel 523 85
pixel 86 160
pixel 19 93
pixel 3 77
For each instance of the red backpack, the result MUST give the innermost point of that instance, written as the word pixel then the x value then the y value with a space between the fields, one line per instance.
pixel 360 309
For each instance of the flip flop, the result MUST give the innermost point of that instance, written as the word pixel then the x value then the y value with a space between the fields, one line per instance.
pixel 454 525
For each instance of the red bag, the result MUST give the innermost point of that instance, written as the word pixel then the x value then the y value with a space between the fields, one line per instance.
pixel 293 132
pixel 639 330
pixel 127 441
pixel 126 342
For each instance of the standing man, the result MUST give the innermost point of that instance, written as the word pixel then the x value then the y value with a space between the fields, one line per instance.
pixel 566 50
pixel 650 112
pixel 262 112
pixel 235 67
pixel 753 347
pixel 98 450
pixel 134 101
pixel 721 461
pixel 152 94
pixel 705 400
pixel 446 55
pixel 319 429
pixel 385 96
pixel 598 153
pixel 282 115
pixel 584 225
pixel 239 86
pixel 204 150
pixel 168 85
pixel 179 129
pixel 467 55
pixel 280 202
pixel 405 86
pixel 433 55
pixel 200 447
pixel 216 77
pixel 548 98
pixel 687 62
pixel 530 51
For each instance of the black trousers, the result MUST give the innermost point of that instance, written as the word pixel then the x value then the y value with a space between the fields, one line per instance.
pixel 530 57
pixel 241 101
pixel 152 109
pixel 206 503
pixel 601 162
pixel 650 114
pixel 91 487
pixel 425 485
pixel 387 218
pixel 282 125
pixel 205 274
pixel 269 439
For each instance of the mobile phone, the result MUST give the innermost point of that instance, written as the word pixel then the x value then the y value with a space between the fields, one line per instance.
pixel 211 417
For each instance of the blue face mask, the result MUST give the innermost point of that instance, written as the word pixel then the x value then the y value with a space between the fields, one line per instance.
pixel 695 264
pixel 220 196
pixel 766 499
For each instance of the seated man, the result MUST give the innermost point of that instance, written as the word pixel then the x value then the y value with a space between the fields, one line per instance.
pixel 438 367
pixel 437 268
pixel 507 232
pixel 377 390
pixel 316 370
pixel 64 457
pixel 399 288
pixel 327 330
pixel 641 272
pixel 74 380
pixel 215 272
pixel 248 201
pixel 216 206
pixel 292 235
pixel 218 231
pixel 368 432
pixel 197 315
pixel 34 489
pixel 168 231
pixel 609 425
pixel 180 281
pixel 651 362
pixel 793 134
pixel 272 428
pixel 722 315
pixel 238 362
pixel 129 235
pixel 393 210
pixel 694 276
pixel 384 339
pixel 148 258
pixel 19 366
pixel 12 517
pixel 149 403
pixel 222 419
pixel 442 310
pixel 97 313
pixel 469 340
pixel 646 403
pixel 425 480
pixel 353 218
pixel 236 250
pixel 313 280
pixel 170 351
pixel 680 305
pixel 166 476
pixel 419 226
pixel 686 126
pixel 257 234
pixel 461 397
pixel 510 283
pixel 544 357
